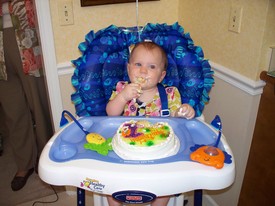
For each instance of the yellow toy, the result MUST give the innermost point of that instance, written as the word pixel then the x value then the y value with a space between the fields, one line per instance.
pixel 98 143
pixel 95 138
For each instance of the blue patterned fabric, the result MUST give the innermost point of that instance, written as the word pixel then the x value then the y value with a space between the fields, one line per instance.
pixel 104 61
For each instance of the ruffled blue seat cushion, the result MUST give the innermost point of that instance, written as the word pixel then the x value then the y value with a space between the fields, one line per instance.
pixel 104 62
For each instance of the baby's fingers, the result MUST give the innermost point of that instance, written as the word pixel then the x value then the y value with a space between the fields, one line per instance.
pixel 186 111
pixel 132 91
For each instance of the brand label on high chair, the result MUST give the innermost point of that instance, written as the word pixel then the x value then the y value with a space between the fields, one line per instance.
pixel 134 197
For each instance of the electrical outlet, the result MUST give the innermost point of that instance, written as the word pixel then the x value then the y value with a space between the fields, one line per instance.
pixel 65 12
pixel 235 19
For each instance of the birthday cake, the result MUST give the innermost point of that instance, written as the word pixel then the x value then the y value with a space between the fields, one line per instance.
pixel 142 140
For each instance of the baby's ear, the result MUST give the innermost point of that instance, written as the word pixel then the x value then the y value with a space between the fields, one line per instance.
pixel 162 76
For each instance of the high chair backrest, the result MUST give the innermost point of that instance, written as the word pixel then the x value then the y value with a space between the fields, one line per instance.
pixel 104 62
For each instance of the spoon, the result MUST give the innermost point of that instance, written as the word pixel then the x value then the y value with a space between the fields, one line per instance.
pixel 64 121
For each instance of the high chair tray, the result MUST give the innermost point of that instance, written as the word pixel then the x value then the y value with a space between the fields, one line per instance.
pixel 65 161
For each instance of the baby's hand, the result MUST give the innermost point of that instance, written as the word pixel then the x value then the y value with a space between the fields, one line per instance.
pixel 131 91
pixel 185 111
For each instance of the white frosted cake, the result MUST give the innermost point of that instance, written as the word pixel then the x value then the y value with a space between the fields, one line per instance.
pixel 142 140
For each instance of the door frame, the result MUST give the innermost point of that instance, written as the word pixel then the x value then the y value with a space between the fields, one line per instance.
pixel 43 13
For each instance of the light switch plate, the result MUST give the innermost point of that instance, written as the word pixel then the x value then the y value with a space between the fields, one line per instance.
pixel 235 18
pixel 65 12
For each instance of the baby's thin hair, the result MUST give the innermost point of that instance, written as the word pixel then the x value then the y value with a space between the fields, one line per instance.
pixel 150 46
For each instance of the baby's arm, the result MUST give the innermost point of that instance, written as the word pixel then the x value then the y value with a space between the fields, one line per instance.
pixel 177 108
pixel 116 106
pixel 185 111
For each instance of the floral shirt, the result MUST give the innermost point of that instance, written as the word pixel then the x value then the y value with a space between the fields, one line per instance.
pixel 23 20
pixel 137 108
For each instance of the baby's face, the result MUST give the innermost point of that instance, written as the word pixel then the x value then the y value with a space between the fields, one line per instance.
pixel 146 67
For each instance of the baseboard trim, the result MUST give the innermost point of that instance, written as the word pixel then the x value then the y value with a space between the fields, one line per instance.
pixel 209 201
pixel 245 84
pixel 65 68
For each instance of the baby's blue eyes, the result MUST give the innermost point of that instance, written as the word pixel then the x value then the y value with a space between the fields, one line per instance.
pixel 148 66
pixel 137 64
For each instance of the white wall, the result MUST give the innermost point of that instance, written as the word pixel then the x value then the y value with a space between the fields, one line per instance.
pixel 235 99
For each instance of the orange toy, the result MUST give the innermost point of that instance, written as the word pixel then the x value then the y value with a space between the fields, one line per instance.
pixel 209 155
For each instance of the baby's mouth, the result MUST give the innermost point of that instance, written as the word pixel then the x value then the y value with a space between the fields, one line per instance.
pixel 141 80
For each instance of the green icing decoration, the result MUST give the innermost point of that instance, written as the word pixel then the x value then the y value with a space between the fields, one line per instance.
pixel 149 143
pixel 147 130
pixel 102 148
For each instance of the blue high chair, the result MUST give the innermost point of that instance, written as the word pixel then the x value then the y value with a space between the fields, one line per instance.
pixel 104 60
pixel 103 63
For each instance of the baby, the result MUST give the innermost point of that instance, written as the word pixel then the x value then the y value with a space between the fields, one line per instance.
pixel 146 68
pixel 140 97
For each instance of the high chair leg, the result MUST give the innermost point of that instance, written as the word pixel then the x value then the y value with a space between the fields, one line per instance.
pixel 80 197
pixel 198 197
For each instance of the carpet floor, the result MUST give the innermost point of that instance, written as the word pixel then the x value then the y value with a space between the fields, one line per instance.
pixel 34 189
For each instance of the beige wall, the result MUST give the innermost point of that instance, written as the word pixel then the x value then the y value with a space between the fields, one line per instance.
pixel 246 52
pixel 67 38
pixel 269 35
